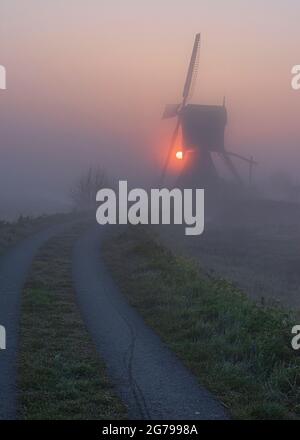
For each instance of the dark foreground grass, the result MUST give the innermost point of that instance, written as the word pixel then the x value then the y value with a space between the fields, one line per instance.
pixel 241 351
pixel 60 374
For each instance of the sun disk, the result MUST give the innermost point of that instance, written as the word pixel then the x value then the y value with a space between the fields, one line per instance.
pixel 179 155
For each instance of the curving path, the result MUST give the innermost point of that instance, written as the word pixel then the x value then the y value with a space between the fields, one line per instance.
pixel 14 266
pixel 151 381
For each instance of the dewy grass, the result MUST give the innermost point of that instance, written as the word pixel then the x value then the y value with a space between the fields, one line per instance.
pixel 60 374
pixel 241 351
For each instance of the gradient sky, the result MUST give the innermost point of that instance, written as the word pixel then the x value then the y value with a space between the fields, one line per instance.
pixel 88 80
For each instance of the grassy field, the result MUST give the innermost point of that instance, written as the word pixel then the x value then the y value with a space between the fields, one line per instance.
pixel 253 243
pixel 60 374
pixel 240 350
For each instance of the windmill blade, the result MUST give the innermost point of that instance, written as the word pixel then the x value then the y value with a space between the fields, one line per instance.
pixel 192 70
pixel 171 147
pixel 226 158
pixel 195 74
pixel 250 161
pixel 171 110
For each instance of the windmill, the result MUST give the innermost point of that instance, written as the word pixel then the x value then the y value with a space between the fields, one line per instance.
pixel 203 132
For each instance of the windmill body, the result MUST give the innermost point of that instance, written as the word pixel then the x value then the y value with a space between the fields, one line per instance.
pixel 203 133
pixel 204 126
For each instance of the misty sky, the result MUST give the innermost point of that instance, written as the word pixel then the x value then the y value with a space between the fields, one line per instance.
pixel 88 80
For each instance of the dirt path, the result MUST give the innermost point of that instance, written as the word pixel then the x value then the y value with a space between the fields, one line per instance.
pixel 14 267
pixel 150 379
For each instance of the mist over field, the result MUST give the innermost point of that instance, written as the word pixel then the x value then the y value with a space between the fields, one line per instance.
pixel 88 81
pixel 149 212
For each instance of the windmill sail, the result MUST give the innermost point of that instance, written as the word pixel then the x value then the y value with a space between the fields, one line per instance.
pixel 174 110
pixel 192 70
pixel 171 111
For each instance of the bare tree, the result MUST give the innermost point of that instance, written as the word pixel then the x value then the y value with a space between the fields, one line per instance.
pixel 83 193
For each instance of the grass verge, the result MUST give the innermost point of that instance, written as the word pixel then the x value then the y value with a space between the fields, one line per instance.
pixel 60 374
pixel 240 350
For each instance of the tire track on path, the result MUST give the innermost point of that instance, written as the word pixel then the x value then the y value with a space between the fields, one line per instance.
pixel 151 380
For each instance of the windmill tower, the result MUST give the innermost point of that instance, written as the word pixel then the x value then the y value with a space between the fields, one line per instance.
pixel 203 133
